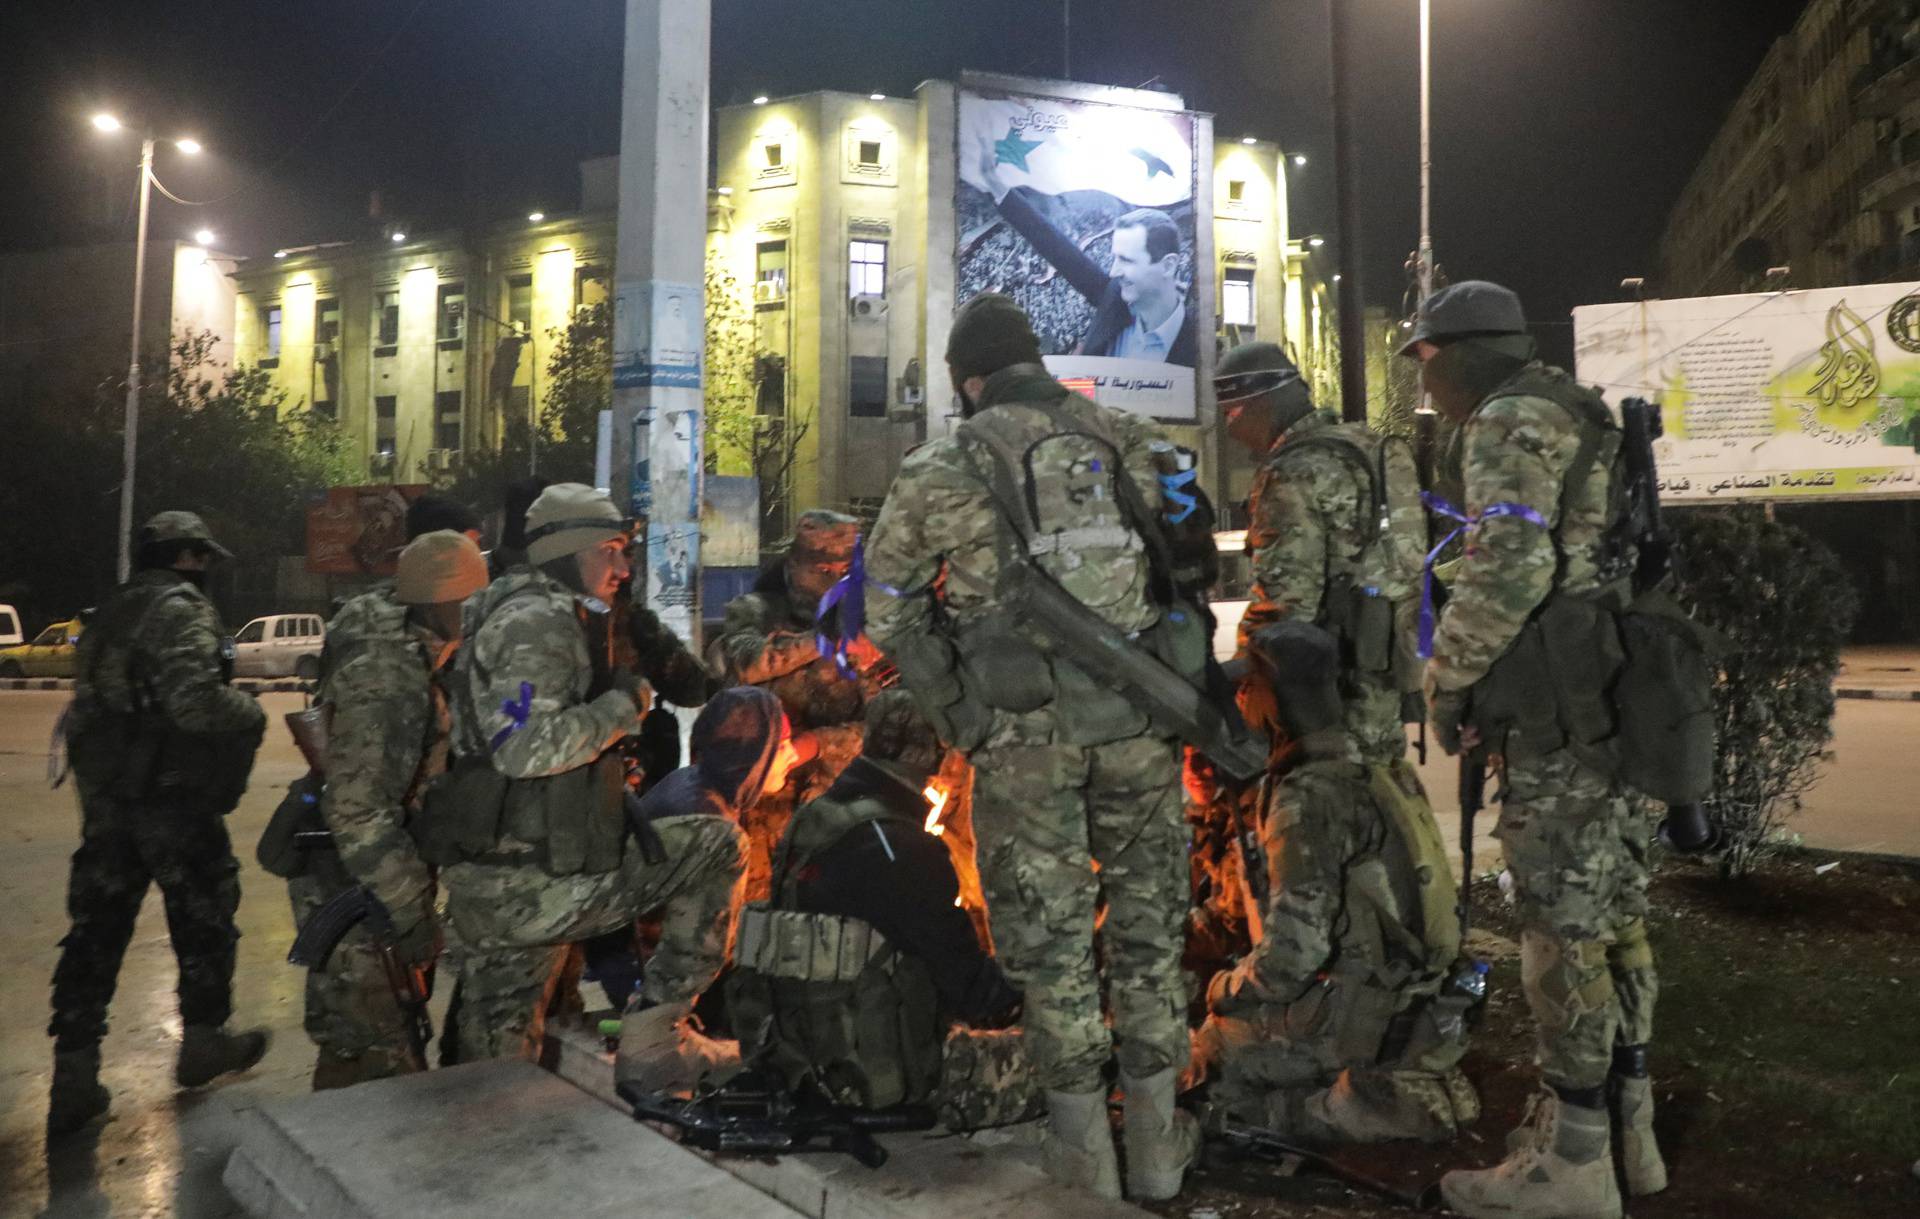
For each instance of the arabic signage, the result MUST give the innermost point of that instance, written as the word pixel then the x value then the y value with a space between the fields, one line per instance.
pixel 1775 395
pixel 1084 213
pixel 359 531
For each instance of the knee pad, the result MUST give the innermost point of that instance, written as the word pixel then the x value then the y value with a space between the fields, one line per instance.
pixel 1631 951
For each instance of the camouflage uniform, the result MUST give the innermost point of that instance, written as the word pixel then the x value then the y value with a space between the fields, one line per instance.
pixel 1313 529
pixel 386 739
pixel 157 644
pixel 1576 845
pixel 510 920
pixel 1328 1029
pixel 769 640
pixel 1080 779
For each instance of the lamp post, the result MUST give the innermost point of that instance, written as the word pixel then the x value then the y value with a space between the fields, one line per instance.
pixel 1423 260
pixel 131 441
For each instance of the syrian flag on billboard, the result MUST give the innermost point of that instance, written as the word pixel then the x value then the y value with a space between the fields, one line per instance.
pixel 1141 157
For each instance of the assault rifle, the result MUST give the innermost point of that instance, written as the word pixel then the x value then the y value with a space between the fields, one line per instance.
pixel 767 1120
pixel 1257 1143
pixel 330 923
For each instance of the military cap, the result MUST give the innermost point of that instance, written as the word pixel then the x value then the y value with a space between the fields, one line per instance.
pixel 179 526
pixel 569 518
pixel 897 732
pixel 1252 369
pixel 443 565
pixel 1472 306
pixel 991 332
pixel 823 536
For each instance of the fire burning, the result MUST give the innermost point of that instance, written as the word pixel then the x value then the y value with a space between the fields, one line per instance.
pixel 936 797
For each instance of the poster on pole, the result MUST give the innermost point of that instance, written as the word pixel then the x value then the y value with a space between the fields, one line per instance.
pixel 1084 212
pixel 657 334
pixel 1776 395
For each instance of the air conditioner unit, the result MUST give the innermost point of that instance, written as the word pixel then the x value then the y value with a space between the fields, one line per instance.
pixel 867 305
pixel 769 292
pixel 439 461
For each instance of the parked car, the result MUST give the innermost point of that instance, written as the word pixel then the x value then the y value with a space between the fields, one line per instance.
pixel 53 653
pixel 280 645
pixel 10 632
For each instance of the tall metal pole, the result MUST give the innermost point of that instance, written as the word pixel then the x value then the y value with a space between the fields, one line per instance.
pixel 1066 39
pixel 659 332
pixel 1352 294
pixel 130 443
pixel 1426 149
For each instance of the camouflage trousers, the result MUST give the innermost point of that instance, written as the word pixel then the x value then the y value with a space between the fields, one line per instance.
pixel 1046 816
pixel 986 1080
pixel 1577 848
pixel 352 1016
pixel 511 928
pixel 124 848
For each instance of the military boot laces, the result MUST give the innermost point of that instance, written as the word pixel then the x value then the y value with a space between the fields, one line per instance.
pixel 1078 1149
pixel 77 1096
pixel 1560 1170
pixel 1162 1139
pixel 207 1052
pixel 1639 1153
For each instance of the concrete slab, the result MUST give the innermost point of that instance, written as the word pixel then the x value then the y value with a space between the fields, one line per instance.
pixel 984 1177
pixel 499 1138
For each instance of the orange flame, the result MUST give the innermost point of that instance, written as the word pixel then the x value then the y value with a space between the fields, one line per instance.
pixel 937 798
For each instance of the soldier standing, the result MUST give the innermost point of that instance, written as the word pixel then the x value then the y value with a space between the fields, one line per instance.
pixel 1338 1026
pixel 1069 774
pixel 161 747
pixel 1336 536
pixel 536 796
pixel 770 640
pixel 387 654
pixel 1537 468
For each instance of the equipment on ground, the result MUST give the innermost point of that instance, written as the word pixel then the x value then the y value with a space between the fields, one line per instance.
pixel 748 1117
pixel 1255 1143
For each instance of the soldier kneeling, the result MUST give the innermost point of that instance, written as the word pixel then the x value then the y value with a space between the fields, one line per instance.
pixel 1341 1025
pixel 852 978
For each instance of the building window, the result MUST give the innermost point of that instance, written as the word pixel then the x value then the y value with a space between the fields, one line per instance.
pixel 326 325
pixel 869 152
pixel 1236 190
pixel 446 419
pixel 776 155
pixel 271 324
pixel 770 272
pixel 1236 297
pixel 520 303
pixel 451 326
pixel 867 387
pixel 589 286
pixel 386 320
pixel 324 409
pixel 385 423
pixel 867 268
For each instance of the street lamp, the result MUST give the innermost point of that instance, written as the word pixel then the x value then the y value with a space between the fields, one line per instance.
pixel 1299 160
pixel 203 237
pixel 108 123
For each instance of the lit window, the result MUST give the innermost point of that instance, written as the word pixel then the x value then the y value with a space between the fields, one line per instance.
pixel 867 268
pixel 770 271
pixel 1236 297
pixel 520 303
pixel 273 332
pixel 590 286
pixel 385 429
pixel 776 156
pixel 452 320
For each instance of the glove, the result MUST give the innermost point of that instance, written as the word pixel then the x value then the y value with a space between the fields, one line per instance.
pixel 661 1051
pixel 1449 708
pixel 1229 994
pixel 632 685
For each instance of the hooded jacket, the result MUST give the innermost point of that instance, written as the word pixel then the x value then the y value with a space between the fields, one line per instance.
pixel 733 741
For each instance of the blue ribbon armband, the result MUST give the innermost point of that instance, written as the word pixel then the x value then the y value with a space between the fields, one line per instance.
pixel 1173 487
pixel 1441 507
pixel 849 596
pixel 517 711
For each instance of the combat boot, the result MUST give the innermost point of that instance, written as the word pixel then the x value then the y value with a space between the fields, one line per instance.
pixel 1561 1170
pixel 76 1096
pixel 1640 1161
pixel 1078 1150
pixel 1162 1139
pixel 208 1052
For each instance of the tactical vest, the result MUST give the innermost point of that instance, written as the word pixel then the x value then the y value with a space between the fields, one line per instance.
pixel 824 1000
pixel 1370 610
pixel 1617 674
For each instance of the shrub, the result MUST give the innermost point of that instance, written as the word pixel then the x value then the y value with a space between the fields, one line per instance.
pixel 1785 606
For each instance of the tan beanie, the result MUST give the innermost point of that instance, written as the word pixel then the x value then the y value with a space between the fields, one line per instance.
pixel 440 566
pixel 569 518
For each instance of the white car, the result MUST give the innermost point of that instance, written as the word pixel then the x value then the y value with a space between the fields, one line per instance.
pixel 10 632
pixel 280 645
pixel 1228 598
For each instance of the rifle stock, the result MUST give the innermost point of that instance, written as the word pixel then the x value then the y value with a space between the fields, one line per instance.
pixel 315 942
pixel 770 1122
pixel 1473 796
pixel 310 729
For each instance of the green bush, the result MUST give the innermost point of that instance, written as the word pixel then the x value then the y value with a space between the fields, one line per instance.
pixel 1784 604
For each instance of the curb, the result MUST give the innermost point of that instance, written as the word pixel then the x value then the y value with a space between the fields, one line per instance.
pixel 1878 695
pixel 251 685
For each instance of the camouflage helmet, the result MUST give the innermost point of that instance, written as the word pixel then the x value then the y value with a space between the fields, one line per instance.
pixel 568 518
pixel 824 536
pixel 1470 307
pixel 897 732
pixel 991 332
pixel 179 526
pixel 1252 369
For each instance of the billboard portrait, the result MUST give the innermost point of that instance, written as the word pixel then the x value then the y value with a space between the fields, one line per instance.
pixel 1084 212
pixel 1777 395
pixel 359 531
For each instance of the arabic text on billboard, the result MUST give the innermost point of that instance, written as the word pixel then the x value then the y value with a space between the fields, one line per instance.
pixel 1084 213
pixel 1772 395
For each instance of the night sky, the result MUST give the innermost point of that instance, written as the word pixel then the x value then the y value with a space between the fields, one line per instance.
pixel 1564 129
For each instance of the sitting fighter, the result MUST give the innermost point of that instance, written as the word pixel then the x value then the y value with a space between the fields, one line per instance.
pixel 862 978
pixel 1341 1025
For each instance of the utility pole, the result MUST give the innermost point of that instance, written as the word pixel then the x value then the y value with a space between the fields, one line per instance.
pixel 1066 39
pixel 659 332
pixel 1346 151
pixel 1426 149
pixel 130 442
